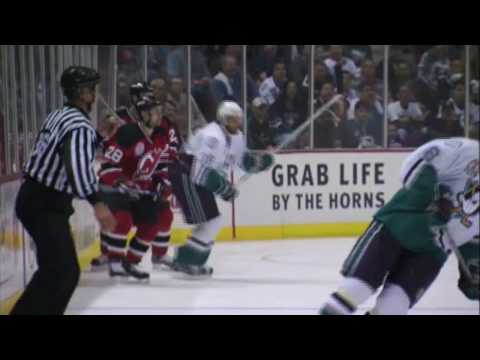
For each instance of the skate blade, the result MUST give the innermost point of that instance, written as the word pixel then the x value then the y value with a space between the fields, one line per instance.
pixel 128 280
pixel 188 277
pixel 119 280
pixel 162 267
pixel 134 280
pixel 98 269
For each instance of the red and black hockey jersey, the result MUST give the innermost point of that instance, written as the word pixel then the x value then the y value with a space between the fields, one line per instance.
pixel 130 155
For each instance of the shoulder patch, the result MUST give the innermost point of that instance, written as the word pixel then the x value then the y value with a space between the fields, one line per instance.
pixel 431 154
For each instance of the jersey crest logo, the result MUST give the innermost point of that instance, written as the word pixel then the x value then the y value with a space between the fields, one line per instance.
pixel 473 168
pixel 469 202
pixel 431 154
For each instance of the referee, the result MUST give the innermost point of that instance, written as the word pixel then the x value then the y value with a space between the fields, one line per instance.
pixel 60 168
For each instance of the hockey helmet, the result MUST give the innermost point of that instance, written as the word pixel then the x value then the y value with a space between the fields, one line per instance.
pixel 228 109
pixel 139 89
pixel 75 77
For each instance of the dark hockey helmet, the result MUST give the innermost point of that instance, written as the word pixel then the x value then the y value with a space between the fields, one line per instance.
pixel 146 103
pixel 75 77
pixel 139 89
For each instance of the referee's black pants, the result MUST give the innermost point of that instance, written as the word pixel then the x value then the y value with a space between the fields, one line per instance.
pixel 45 215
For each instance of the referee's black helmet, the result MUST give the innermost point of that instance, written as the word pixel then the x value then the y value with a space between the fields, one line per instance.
pixel 76 77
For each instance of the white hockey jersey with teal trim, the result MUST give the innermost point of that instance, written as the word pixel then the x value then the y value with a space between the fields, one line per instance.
pixel 457 165
pixel 213 148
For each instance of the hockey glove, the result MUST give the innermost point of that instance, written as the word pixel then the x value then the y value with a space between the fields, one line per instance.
pixel 470 287
pixel 131 189
pixel 443 205
pixel 229 194
pixel 256 163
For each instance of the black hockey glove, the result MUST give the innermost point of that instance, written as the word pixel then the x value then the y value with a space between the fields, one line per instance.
pixel 443 205
pixel 470 287
pixel 230 193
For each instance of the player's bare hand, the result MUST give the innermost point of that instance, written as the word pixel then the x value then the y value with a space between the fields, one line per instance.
pixel 105 217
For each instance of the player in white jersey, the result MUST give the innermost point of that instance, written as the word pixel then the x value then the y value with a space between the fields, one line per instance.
pixel 409 240
pixel 200 173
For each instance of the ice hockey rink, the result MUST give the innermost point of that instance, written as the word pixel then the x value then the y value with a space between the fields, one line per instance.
pixel 286 277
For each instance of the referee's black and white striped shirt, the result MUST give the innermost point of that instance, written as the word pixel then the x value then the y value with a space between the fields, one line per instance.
pixel 64 153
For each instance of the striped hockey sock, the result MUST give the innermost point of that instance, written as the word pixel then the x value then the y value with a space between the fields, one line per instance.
pixel 160 245
pixel 338 305
pixel 137 250
pixel 116 245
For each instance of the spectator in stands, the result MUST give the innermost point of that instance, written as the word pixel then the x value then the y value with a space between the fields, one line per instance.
pixel 299 67
pixel 265 62
pixel 157 60
pixel 434 73
pixel 331 129
pixel 227 84
pixel 270 88
pixel 177 64
pixel 407 121
pixel 368 95
pixel 234 51
pixel 178 100
pixel 475 108
pixel 130 64
pixel 347 89
pixel 358 53
pixel 177 93
pixel 160 89
pixel 404 115
pixel 457 71
pixel 321 75
pixel 260 135
pixel 455 107
pixel 401 74
pixel 213 54
pixel 205 101
pixel 369 99
pixel 289 111
pixel 123 90
pixel 368 76
pixel 336 61
pixel 363 128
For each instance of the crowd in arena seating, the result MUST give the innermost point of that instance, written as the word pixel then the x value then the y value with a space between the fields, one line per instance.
pixel 426 95
pixel 425 99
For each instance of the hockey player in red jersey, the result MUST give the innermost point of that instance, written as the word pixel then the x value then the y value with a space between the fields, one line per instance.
pixel 133 167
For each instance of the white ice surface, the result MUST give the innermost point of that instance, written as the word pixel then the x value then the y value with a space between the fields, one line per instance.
pixel 291 277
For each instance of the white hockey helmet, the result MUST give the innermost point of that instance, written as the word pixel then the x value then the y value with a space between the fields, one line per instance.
pixel 228 109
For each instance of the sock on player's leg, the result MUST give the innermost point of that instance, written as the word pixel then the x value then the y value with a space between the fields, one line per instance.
pixel 345 301
pixel 393 300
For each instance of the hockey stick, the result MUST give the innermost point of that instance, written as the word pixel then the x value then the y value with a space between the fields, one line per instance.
pixel 294 135
pixel 461 260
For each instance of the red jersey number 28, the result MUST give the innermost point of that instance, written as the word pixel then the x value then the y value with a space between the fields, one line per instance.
pixel 114 154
